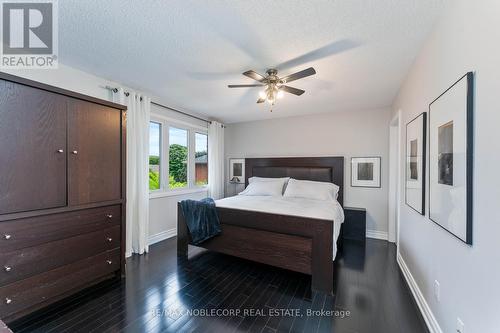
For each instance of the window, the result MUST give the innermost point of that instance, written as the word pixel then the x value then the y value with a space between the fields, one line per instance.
pixel 178 158
pixel 154 155
pixel 201 159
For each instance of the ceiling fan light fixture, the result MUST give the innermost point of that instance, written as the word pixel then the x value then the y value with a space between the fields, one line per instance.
pixel 274 86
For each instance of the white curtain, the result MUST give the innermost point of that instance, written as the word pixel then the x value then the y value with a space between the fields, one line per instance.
pixel 216 160
pixel 138 115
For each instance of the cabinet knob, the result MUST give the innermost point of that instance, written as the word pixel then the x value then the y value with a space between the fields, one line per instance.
pixel 109 239
pixel 7 236
pixel 109 262
pixel 74 152
pixel 109 216
pixel 60 151
pixel 7 268
pixel 8 300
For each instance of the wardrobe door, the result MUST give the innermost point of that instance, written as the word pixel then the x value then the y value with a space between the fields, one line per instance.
pixel 94 153
pixel 32 148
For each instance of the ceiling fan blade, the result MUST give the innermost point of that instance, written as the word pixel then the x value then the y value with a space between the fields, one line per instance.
pixel 254 75
pixel 292 90
pixel 244 85
pixel 261 100
pixel 333 48
pixel 299 75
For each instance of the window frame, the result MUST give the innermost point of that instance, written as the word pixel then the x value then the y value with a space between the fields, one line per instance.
pixel 192 129
pixel 188 169
pixel 197 131
pixel 152 120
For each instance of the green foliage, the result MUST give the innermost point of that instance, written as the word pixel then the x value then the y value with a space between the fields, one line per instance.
pixel 174 184
pixel 178 156
pixel 154 180
pixel 154 160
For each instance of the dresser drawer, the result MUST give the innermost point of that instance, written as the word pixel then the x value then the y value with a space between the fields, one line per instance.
pixel 29 261
pixel 22 233
pixel 33 291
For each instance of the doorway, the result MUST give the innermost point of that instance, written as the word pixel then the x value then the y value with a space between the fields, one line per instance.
pixel 394 177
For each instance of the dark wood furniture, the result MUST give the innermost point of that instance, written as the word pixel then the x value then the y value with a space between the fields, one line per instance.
pixel 354 224
pixel 296 243
pixel 62 194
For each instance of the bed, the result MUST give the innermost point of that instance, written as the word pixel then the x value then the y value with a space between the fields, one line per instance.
pixel 292 234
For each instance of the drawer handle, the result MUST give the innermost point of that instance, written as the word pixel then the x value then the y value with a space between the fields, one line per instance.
pixel 7 268
pixel 74 152
pixel 8 300
pixel 7 236
pixel 60 151
pixel 109 262
pixel 109 239
pixel 109 216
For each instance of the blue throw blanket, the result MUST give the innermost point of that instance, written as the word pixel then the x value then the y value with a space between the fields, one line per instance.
pixel 201 219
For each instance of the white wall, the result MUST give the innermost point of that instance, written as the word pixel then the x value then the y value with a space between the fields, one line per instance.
pixel 163 210
pixel 348 134
pixel 467 38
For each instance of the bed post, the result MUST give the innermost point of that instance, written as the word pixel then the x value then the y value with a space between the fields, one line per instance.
pixel 182 233
pixel 322 263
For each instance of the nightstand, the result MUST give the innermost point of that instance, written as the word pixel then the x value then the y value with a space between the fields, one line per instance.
pixel 354 226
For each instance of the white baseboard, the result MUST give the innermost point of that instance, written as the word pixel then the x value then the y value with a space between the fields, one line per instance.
pixel 377 234
pixel 162 236
pixel 429 318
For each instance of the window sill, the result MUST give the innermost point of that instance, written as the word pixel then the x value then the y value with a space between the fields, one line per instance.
pixel 174 193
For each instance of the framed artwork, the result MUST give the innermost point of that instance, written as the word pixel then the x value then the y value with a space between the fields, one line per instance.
pixel 365 171
pixel 416 135
pixel 451 158
pixel 237 170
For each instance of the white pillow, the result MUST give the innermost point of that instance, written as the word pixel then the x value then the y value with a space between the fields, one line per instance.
pixel 264 179
pixel 311 190
pixel 284 181
pixel 269 188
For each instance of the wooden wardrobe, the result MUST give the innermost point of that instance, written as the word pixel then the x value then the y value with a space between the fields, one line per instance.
pixel 62 194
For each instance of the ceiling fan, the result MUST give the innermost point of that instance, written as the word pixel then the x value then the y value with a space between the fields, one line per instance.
pixel 274 85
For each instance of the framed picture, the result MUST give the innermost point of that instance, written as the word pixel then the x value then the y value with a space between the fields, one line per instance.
pixel 237 170
pixel 416 135
pixel 365 171
pixel 451 157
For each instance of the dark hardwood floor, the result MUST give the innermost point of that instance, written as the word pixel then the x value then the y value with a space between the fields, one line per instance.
pixel 370 296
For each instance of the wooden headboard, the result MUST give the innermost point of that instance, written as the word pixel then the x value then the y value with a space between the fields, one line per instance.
pixel 323 169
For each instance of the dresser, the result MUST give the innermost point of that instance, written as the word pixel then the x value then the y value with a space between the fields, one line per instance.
pixel 62 194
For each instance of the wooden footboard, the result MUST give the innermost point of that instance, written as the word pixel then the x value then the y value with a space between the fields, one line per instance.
pixel 296 243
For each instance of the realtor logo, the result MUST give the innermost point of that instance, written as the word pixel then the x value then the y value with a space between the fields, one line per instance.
pixel 29 34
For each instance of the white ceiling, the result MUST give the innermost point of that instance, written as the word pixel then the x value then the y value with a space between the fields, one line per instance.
pixel 186 52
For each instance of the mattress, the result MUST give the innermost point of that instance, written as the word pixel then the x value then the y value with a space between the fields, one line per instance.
pixel 316 209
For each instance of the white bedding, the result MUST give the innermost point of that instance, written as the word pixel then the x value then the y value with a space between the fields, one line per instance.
pixel 318 209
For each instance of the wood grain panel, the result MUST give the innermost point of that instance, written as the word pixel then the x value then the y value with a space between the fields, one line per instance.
pixel 34 260
pixel 266 247
pixel 39 288
pixel 32 130
pixel 34 231
pixel 95 169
